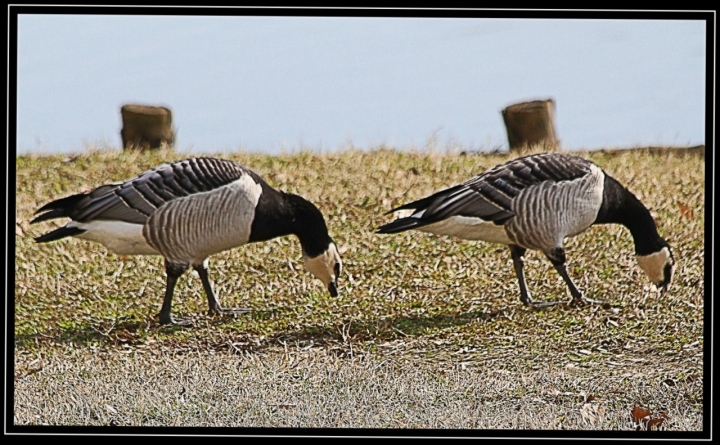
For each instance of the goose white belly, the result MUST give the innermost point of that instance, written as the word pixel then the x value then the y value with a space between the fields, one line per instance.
pixel 118 237
pixel 470 228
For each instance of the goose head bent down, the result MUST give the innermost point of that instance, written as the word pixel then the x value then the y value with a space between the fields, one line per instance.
pixel 189 210
pixel 327 267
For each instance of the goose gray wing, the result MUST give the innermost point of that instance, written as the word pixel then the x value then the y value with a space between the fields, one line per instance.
pixel 489 195
pixel 135 200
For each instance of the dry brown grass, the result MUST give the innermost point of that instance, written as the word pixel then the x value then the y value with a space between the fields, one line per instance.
pixel 315 388
pixel 428 332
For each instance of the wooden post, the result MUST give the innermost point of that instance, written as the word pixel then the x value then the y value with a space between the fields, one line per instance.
pixel 531 123
pixel 146 127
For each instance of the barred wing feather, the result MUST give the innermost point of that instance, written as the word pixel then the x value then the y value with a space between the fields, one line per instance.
pixel 489 196
pixel 135 200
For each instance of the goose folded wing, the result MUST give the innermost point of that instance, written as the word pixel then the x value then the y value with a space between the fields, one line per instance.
pixel 466 201
pixel 489 195
pixel 113 205
pixel 136 200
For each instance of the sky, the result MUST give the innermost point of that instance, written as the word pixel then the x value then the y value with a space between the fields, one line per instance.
pixel 280 84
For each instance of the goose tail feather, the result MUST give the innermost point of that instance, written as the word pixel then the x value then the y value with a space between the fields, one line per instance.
pixel 401 225
pixel 57 234
pixel 58 208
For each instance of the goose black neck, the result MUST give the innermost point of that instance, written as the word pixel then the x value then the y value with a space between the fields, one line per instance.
pixel 279 214
pixel 620 206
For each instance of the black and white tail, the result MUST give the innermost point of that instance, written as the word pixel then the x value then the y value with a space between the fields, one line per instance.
pixel 59 208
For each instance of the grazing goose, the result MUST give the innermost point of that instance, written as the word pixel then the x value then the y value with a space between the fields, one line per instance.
pixel 189 210
pixel 535 202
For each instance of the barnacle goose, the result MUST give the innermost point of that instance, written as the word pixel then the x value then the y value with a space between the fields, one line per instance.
pixel 189 210
pixel 535 202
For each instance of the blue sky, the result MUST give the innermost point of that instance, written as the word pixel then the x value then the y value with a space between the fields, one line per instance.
pixel 274 84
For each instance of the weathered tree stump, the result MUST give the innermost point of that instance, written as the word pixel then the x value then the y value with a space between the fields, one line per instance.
pixel 146 127
pixel 531 123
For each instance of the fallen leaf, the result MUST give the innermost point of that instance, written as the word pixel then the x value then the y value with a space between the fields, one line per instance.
pixel 639 414
pixel 19 231
pixel 656 421
pixel 685 210
pixel 642 416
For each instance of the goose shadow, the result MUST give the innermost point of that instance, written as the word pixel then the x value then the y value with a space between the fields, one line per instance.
pixel 126 331
pixel 134 332
pixel 381 329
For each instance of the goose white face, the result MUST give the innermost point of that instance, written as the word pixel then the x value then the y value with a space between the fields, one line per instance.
pixel 659 267
pixel 326 267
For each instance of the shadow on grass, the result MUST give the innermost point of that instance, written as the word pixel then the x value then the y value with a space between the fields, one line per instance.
pixel 136 332
pixel 130 331
pixel 384 329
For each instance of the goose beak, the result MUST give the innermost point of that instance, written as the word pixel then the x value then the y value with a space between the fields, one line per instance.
pixel 663 288
pixel 332 287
